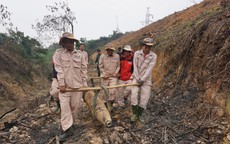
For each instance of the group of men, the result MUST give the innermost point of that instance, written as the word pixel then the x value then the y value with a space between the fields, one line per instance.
pixel 123 68
pixel 126 68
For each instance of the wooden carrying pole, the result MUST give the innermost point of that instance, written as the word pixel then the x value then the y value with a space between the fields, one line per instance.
pixel 98 88
pixel 96 106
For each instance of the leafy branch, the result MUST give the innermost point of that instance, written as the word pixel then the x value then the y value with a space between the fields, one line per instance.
pixel 60 19
pixel 4 16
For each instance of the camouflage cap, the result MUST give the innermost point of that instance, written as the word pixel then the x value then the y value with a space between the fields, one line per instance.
pixel 148 41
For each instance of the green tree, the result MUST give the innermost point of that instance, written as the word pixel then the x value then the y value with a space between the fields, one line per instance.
pixel 30 46
pixel 93 45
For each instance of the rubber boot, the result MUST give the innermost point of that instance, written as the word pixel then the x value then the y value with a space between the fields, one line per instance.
pixel 140 117
pixel 134 116
pixel 66 134
pixel 56 108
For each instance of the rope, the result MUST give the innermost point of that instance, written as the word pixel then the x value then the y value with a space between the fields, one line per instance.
pixel 93 103
pixel 106 92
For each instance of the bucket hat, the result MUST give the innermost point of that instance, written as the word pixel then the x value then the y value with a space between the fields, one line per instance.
pixel 109 46
pixel 127 48
pixel 67 35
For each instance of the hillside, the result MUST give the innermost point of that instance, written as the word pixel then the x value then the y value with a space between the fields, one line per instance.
pixel 193 51
pixel 190 101
pixel 23 81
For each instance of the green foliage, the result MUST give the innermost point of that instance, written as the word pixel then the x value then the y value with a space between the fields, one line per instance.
pixel 25 47
pixel 3 38
pixel 83 40
pixel 30 47
pixel 47 59
pixel 93 45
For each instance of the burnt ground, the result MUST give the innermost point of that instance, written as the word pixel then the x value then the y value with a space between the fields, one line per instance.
pixel 172 116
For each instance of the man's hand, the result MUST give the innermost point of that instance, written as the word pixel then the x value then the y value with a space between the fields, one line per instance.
pixel 140 82
pixel 132 77
pixel 116 75
pixel 62 89
pixel 105 78
pixel 85 83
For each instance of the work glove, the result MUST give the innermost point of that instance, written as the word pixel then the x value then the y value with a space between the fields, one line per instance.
pixel 140 82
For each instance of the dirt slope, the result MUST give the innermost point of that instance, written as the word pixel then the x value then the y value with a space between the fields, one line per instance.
pixel 20 86
pixel 193 50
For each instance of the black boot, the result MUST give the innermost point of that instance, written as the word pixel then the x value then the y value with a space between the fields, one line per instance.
pixel 66 134
pixel 134 116
pixel 56 108
pixel 140 117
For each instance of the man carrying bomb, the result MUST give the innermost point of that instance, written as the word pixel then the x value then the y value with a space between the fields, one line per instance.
pixel 143 62
pixel 71 68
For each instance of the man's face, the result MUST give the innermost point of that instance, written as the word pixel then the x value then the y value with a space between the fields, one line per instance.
pixel 82 47
pixel 109 52
pixel 127 53
pixel 68 44
pixel 146 49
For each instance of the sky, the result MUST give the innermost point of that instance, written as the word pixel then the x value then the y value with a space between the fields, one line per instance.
pixel 95 18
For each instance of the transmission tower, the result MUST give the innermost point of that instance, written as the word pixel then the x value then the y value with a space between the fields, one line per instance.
pixel 117 28
pixel 148 17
